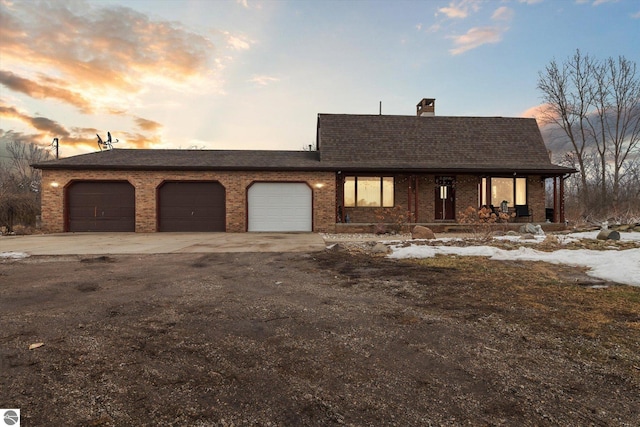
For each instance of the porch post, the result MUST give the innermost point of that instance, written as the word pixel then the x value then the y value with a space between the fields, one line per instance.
pixel 409 191
pixel 487 192
pixel 415 200
pixel 562 219
pixel 339 197
pixel 556 205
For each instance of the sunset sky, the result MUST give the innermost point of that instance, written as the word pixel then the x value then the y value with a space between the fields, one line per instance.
pixel 253 74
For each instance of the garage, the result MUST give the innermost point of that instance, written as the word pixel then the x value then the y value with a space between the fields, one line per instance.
pixel 101 206
pixel 279 207
pixel 191 206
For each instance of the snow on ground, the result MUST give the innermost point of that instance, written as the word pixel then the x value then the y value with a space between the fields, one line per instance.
pixel 13 255
pixel 614 265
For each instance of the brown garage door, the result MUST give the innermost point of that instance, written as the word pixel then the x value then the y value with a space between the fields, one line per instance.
pixel 191 206
pixel 101 206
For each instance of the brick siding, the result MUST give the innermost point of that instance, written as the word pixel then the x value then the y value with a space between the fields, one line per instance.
pixel 326 195
pixel 146 184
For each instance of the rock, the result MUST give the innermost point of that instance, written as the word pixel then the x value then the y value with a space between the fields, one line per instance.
pixel 380 248
pixel 336 247
pixel 528 236
pixel 529 229
pixel 608 235
pixel 511 233
pixel 624 227
pixel 421 232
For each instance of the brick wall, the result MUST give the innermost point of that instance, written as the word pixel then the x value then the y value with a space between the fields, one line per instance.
pixel 536 197
pixel 466 193
pixel 54 183
pixel 466 187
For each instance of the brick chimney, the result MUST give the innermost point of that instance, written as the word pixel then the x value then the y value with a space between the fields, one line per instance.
pixel 426 107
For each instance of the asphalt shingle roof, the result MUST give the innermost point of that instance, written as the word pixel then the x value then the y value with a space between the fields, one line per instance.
pixel 132 159
pixel 375 143
pixel 433 143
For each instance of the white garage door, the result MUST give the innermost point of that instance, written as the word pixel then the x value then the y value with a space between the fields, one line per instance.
pixel 279 207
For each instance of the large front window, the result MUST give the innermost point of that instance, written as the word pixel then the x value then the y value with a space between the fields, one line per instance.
pixel 511 190
pixel 368 191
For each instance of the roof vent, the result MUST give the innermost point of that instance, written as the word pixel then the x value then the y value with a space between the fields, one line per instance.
pixel 426 107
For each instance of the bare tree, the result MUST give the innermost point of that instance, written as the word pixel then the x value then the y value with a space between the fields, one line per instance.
pixel 566 92
pixel 20 184
pixel 623 129
pixel 596 104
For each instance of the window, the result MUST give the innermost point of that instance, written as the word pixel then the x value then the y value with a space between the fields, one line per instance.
pixel 368 191
pixel 513 190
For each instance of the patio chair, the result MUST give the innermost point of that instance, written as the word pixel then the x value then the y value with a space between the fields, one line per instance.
pixel 523 211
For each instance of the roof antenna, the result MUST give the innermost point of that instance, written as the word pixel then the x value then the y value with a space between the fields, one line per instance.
pixel 380 113
pixel 108 144
pixel 55 144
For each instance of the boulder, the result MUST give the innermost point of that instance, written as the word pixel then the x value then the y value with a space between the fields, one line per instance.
pixel 528 229
pixel 421 232
pixel 528 236
pixel 380 248
pixel 608 235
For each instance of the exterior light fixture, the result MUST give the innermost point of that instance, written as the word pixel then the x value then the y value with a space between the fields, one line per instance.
pixel 319 185
pixel 55 184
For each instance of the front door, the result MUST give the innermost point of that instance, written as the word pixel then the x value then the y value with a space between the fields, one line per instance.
pixel 445 198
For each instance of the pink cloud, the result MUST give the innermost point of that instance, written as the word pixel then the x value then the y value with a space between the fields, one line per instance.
pixel 474 38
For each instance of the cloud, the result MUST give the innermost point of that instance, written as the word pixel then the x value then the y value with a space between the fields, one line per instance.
pixel 77 137
pixel 236 42
pixel 530 1
pixel 243 3
pixel 103 60
pixel 543 113
pixel 147 125
pixel 43 124
pixel 95 58
pixel 636 15
pixel 262 80
pixel 52 89
pixel 502 13
pixel 478 36
pixel 474 38
pixel 595 2
pixel 460 9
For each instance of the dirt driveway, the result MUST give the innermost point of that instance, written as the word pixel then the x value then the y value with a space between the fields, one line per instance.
pixel 320 338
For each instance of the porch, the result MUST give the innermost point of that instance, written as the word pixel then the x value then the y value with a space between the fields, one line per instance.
pixel 442 227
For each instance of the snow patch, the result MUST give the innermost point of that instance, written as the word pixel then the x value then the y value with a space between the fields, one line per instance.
pixel 13 255
pixel 617 266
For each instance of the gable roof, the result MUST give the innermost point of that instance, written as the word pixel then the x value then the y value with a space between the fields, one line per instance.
pixel 363 143
pixel 437 143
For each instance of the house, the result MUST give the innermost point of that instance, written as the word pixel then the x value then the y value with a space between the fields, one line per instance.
pixel 425 166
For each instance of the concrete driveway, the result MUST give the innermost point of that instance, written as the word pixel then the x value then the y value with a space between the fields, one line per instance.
pixel 159 243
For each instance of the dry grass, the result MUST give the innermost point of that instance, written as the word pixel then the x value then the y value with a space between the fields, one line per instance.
pixel 550 299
